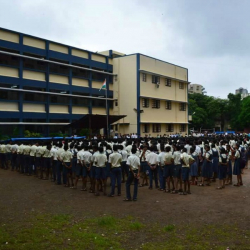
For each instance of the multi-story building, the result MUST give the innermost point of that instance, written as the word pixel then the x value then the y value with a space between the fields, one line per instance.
pixel 195 88
pixel 45 85
pixel 243 92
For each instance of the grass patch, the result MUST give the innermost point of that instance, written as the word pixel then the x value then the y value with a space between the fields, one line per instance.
pixel 108 232
pixel 169 228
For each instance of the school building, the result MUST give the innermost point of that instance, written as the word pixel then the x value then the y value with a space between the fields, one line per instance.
pixel 45 85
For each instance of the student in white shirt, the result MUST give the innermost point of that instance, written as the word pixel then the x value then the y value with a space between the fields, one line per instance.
pixel 101 175
pixel 134 169
pixel 86 166
pixel 125 169
pixel 144 165
pixel 115 160
pixel 161 161
pixel 152 160
pixel 176 160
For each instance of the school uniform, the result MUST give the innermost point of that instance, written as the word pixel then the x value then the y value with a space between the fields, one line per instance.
pixel 108 167
pixel 86 157
pixel 215 163
pixel 207 165
pixel 134 162
pixel 161 162
pixel 186 165
pixel 66 158
pixel 28 167
pixel 100 162
pixel 54 162
pixel 152 160
pixel 14 149
pixel 237 169
pixel 47 159
pixel 59 167
pixel 3 156
pixel 223 159
pixel 168 167
pixel 74 159
pixel 229 165
pixel 32 157
pixel 115 160
pixel 8 153
pixel 20 158
pixel 194 165
pixel 125 168
pixel 144 165
pixel 79 167
pixel 177 164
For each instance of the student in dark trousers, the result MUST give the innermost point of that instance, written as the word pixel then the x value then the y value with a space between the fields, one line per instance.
pixel 134 169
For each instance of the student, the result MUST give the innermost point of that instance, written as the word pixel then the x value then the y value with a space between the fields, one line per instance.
pixel 47 161
pixel 134 168
pixel 93 169
pixel 215 163
pixel 32 157
pixel 152 161
pixel 66 158
pixel 229 165
pixel 79 167
pixel 194 166
pixel 223 162
pixel 144 166
pixel 54 161
pixel 237 169
pixel 168 168
pixel 59 166
pixel 115 160
pixel 86 166
pixel 100 163
pixel 14 149
pixel 186 161
pixel 161 162
pixel 28 167
pixel 207 166
pixel 176 160
pixel 3 156
pixel 124 154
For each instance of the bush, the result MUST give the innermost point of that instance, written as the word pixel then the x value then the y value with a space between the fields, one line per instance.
pixel 29 134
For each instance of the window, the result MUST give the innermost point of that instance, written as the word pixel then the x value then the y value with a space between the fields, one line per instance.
pixel 9 60
pixel 144 77
pixel 182 106
pixel 32 64
pixel 182 127
pixel 155 79
pixel 156 128
pixel 146 128
pixel 98 102
pixel 80 72
pixel 80 101
pixel 59 99
pixel 168 105
pixel 59 69
pixel 170 128
pixel 145 102
pixel 155 104
pixel 197 88
pixel 181 85
pixel 116 103
pixel 9 95
pixel 98 76
pixel 34 97
pixel 168 82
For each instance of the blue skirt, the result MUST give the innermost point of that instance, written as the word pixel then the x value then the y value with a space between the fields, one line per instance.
pixel 215 164
pixel 237 170
pixel 222 172
pixel 194 169
pixel 206 169
pixel 229 168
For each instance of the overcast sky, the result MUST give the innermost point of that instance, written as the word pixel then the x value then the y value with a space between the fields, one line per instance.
pixel 209 37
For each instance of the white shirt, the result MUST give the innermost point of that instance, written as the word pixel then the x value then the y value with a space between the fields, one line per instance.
pixel 115 160
pixel 186 158
pixel 152 158
pixel 177 157
pixel 133 161
pixel 100 160
pixel 124 154
pixel 161 158
pixel 128 149
pixel 53 153
pixel 86 157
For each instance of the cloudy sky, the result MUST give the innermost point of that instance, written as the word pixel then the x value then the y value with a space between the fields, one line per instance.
pixel 209 37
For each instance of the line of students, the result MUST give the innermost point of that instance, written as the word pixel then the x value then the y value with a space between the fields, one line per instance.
pixel 167 163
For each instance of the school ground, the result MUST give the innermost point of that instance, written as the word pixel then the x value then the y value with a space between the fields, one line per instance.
pixel 36 214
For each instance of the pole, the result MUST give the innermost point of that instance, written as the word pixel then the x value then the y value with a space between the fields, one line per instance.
pixel 107 112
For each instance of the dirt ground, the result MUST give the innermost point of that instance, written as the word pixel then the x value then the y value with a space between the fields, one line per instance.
pixel 23 195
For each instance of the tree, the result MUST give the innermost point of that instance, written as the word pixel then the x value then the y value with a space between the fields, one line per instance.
pixel 244 117
pixel 234 109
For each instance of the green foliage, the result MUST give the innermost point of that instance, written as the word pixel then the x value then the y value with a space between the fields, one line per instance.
pixel 169 228
pixel 29 134
pixel 244 117
pixel 84 132
pixel 210 111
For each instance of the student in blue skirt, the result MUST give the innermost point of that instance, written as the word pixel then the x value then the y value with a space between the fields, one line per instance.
pixel 237 169
pixel 194 166
pixel 207 166
pixel 168 168
pixel 223 163
pixel 215 162
pixel 229 165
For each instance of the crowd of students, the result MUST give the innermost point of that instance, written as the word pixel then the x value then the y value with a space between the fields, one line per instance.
pixel 171 165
